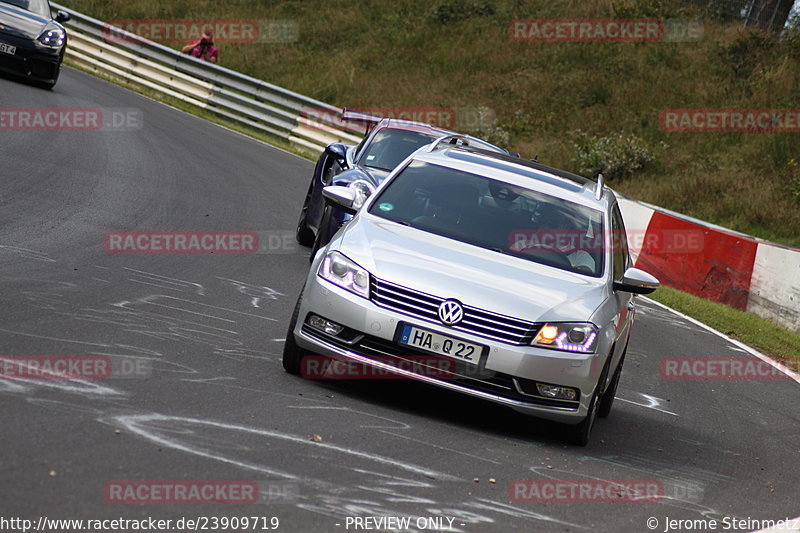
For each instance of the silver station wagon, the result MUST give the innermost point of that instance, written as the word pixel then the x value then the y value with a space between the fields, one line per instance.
pixel 481 273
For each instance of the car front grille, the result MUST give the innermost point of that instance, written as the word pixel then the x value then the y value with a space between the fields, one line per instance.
pixel 476 321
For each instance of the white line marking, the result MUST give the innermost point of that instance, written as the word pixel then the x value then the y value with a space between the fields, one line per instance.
pixel 775 364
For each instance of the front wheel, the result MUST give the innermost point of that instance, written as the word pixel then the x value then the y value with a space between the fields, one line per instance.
pixel 304 234
pixel 322 234
pixel 293 355
pixel 607 401
pixel 581 432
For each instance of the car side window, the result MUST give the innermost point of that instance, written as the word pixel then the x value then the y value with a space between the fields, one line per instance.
pixel 620 256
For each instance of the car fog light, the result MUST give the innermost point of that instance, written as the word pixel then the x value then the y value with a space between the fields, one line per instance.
pixel 331 328
pixel 554 391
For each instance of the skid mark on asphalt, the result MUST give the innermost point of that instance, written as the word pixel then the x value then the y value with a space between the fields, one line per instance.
pixel 650 402
pixel 255 292
pixel 26 253
pixel 165 282
pixel 666 469
pixel 380 488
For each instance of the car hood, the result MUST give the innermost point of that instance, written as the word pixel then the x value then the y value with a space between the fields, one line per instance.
pixel 21 23
pixel 378 175
pixel 475 276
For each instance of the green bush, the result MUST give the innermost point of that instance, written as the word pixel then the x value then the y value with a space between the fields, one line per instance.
pixel 743 55
pixel 454 11
pixel 615 156
pixel 647 9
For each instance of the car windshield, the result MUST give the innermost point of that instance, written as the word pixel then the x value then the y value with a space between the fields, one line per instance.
pixel 40 7
pixel 391 146
pixel 497 216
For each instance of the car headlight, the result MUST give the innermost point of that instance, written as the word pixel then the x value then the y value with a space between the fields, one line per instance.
pixel 341 271
pixel 568 336
pixel 52 37
pixel 363 189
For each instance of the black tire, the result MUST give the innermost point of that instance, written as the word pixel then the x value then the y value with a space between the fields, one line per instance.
pixel 292 354
pixel 581 432
pixel 607 400
pixel 321 239
pixel 305 235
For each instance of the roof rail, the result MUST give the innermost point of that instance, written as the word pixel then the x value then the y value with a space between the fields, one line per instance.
pixel 598 188
pixel 449 139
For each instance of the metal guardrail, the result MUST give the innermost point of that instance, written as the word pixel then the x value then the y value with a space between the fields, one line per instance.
pixel 99 47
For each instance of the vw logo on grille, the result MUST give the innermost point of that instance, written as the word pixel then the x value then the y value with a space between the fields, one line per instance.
pixel 451 312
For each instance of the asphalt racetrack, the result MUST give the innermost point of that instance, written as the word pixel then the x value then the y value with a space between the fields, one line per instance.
pixel 215 403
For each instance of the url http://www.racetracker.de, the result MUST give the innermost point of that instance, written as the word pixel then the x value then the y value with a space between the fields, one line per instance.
pixel 44 524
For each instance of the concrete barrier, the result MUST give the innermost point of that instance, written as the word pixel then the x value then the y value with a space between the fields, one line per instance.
pixel 716 263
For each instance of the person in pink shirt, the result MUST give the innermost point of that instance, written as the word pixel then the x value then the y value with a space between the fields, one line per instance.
pixel 204 48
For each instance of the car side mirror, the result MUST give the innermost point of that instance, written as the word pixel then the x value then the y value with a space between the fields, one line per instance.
pixel 62 16
pixel 338 151
pixel 637 281
pixel 341 197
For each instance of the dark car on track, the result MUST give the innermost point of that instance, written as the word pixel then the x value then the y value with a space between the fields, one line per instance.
pixel 32 41
pixel 362 167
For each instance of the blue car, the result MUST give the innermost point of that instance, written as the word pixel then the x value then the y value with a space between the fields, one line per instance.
pixel 362 167
pixel 32 42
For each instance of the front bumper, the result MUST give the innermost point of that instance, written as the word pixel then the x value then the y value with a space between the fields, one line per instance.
pixel 31 60
pixel 505 374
